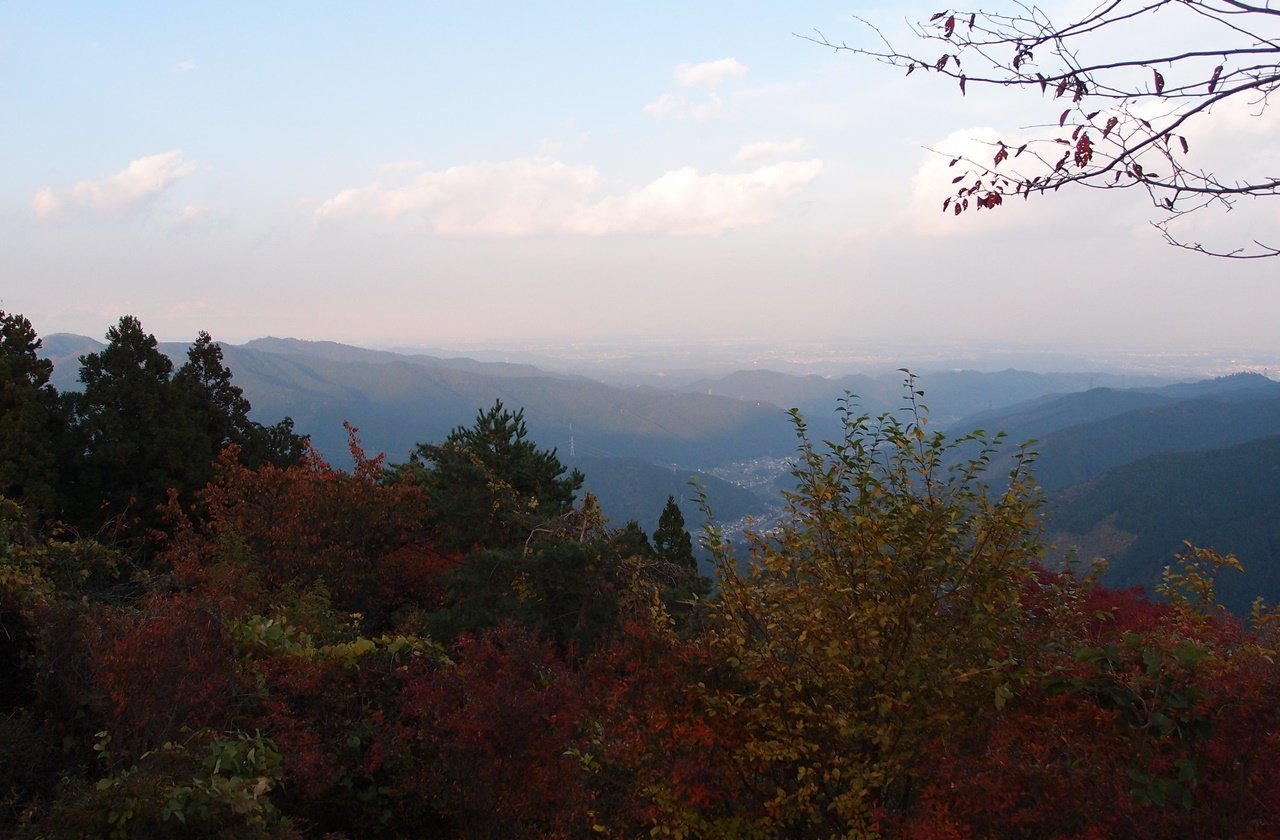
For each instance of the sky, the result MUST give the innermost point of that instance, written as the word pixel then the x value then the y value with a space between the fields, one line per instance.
pixel 491 174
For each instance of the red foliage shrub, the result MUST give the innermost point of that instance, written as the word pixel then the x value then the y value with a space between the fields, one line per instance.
pixel 365 539
pixel 160 667
pixel 487 741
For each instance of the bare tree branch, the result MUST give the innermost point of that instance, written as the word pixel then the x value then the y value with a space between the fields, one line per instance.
pixel 1125 118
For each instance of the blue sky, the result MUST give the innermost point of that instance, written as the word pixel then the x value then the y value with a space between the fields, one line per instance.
pixel 496 173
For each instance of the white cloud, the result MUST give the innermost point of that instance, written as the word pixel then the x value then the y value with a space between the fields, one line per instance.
pixel 709 73
pixel 756 152
pixel 540 196
pixel 139 183
pixel 696 106
pixel 680 106
pixel 185 66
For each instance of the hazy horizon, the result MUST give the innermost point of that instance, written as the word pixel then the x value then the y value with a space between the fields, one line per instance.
pixel 528 175
pixel 651 357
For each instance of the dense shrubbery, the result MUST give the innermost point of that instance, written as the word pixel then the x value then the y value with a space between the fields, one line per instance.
pixel 302 651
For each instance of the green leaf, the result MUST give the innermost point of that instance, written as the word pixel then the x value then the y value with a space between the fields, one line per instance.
pixel 1189 653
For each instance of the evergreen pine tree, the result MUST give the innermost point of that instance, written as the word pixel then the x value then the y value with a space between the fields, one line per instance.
pixel 671 540
pixel 29 418
pixel 132 451
pixel 490 485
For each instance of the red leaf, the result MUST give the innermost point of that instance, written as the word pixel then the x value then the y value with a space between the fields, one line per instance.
pixel 1063 119
pixel 1021 149
pixel 962 81
pixel 935 17
pixel 1084 151
pixel 942 62
pixel 1044 83
pixel 956 209
pixel 972 18
pixel 951 25
pixel 957 179
pixel 1183 141
pixel 1111 123
pixel 1062 86
pixel 911 68
pixel 1001 156
pixel 954 161
pixel 1159 81
pixel 945 204
pixel 1213 82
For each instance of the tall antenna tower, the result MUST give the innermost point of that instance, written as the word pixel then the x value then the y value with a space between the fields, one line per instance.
pixel 572 452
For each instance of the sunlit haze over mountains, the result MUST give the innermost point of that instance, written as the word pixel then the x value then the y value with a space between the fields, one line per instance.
pixel 503 177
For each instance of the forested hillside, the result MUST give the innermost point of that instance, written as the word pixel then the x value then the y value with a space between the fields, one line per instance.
pixel 1138 515
pixel 210 630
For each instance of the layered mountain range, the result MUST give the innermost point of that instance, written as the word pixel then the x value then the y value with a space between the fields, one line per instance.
pixel 1130 466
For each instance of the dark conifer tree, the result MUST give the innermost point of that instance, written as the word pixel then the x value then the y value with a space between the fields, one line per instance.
pixel 671 540
pixel 632 541
pixel 29 418
pixel 490 485
pixel 132 450
pixel 215 414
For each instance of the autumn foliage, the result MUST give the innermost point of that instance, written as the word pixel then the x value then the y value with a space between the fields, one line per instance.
pixel 295 655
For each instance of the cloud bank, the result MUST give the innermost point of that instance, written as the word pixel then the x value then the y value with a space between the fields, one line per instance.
pixel 138 184
pixel 540 196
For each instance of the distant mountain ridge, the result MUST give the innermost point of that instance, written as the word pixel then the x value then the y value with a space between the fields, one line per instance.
pixel 1078 436
pixel 949 394
pixel 398 402
pixel 336 352
pixel 1137 516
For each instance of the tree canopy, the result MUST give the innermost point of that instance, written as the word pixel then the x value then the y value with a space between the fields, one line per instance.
pixel 490 485
pixel 1130 81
